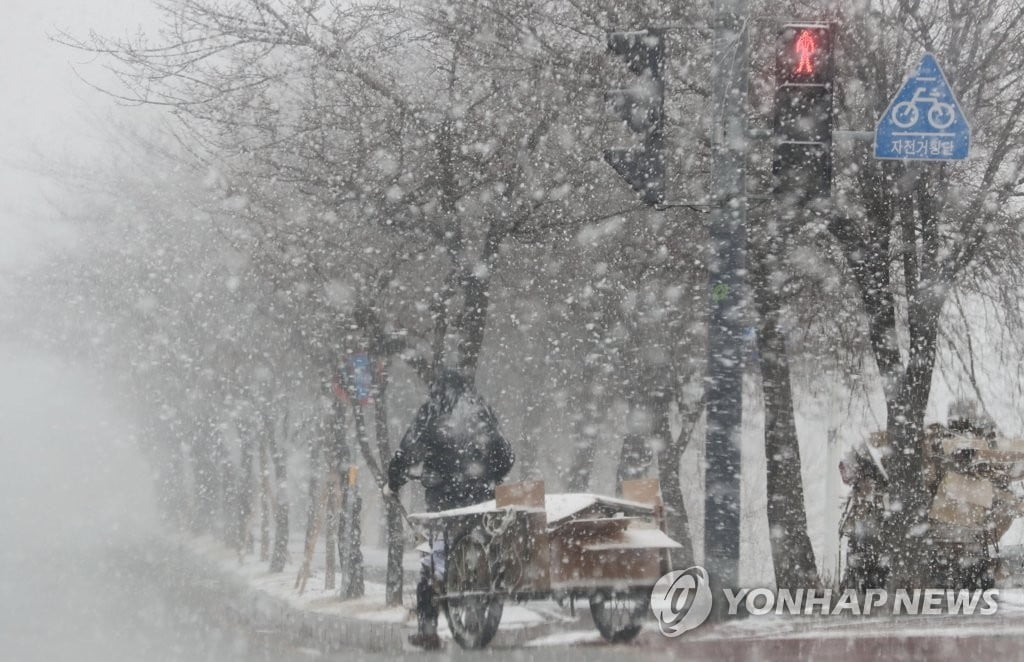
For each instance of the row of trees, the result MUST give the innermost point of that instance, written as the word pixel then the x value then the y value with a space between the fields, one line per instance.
pixel 422 182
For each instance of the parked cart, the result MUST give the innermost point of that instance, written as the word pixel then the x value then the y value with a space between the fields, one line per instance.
pixel 973 478
pixel 526 544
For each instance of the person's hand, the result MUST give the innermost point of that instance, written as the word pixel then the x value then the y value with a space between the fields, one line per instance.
pixel 388 492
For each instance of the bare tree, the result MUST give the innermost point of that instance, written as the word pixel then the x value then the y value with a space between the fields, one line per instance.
pixel 913 230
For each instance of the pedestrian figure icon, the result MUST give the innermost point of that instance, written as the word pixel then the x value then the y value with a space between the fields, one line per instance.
pixel 924 121
pixel 805 48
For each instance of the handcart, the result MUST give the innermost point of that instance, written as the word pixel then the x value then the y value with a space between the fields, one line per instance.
pixel 526 545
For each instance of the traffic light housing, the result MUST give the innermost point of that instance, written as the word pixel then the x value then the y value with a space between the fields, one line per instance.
pixel 804 74
pixel 640 108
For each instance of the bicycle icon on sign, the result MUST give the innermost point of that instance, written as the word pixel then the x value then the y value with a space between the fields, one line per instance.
pixel 940 115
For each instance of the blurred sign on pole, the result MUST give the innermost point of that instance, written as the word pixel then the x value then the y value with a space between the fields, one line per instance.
pixel 354 380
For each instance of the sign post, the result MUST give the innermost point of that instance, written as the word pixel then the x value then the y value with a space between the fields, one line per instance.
pixel 726 296
pixel 924 121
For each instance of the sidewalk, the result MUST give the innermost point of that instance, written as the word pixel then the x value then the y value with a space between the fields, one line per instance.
pixel 318 618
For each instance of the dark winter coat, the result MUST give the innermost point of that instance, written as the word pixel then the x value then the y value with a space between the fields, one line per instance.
pixel 455 437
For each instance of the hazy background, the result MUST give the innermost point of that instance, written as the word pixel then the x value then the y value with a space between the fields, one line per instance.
pixel 48 114
pixel 72 482
pixel 61 428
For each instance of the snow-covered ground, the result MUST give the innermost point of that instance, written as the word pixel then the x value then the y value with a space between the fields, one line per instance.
pixel 370 607
pixel 544 623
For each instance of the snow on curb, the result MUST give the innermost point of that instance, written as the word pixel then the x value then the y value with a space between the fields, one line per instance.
pixel 247 594
pixel 318 619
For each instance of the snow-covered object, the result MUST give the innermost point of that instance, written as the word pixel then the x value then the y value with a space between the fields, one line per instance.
pixel 559 507
pixel 582 541
pixel 636 538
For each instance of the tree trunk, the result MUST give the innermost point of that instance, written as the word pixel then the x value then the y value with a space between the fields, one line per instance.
pixel 226 498
pixel 279 458
pixel 792 554
pixel 908 497
pixel 440 310
pixel 333 525
pixel 369 319
pixel 476 303
pixel 677 522
pixel 354 586
pixel 353 526
pixel 396 549
pixel 266 500
pixel 393 517
pixel 635 458
pixel 245 488
pixel 316 468
pixel 205 485
pixel 587 421
pixel 526 455
pixel 583 457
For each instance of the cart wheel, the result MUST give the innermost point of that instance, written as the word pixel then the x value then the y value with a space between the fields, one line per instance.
pixel 617 614
pixel 474 618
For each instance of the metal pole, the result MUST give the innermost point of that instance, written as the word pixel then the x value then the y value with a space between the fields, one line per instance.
pixel 726 292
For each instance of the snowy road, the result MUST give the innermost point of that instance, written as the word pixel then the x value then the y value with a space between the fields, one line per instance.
pixel 971 644
pixel 75 506
pixel 96 606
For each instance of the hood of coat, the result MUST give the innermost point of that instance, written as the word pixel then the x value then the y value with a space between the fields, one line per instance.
pixel 446 390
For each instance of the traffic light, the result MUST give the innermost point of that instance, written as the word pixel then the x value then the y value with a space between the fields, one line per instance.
pixel 804 72
pixel 640 108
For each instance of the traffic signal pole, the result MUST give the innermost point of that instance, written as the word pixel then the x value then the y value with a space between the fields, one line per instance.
pixel 726 294
pixel 801 166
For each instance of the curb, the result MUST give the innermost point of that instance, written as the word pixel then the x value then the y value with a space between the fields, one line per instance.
pixel 227 598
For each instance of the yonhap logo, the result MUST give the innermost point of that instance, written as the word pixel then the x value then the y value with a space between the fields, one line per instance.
pixel 681 600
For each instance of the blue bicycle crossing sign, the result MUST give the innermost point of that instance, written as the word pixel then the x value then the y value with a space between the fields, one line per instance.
pixel 923 121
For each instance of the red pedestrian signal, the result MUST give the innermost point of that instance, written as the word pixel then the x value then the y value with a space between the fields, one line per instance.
pixel 805 50
pixel 802 163
pixel 804 54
